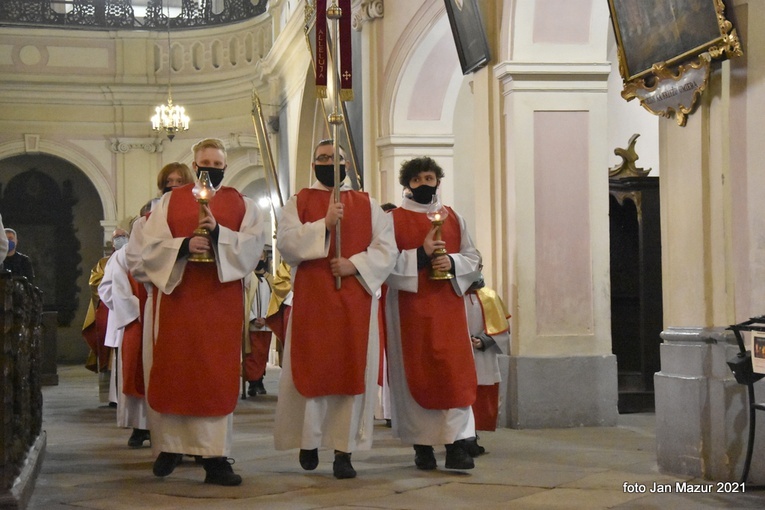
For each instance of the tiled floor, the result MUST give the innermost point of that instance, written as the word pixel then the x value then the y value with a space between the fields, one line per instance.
pixel 88 465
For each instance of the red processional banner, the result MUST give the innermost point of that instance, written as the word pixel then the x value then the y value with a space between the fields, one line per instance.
pixel 346 64
pixel 321 48
pixel 345 69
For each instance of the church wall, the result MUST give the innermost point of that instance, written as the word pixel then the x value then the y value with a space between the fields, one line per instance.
pixel 87 97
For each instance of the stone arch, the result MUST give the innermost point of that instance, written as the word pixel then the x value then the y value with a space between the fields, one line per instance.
pixel 413 36
pixel 418 107
pixel 76 157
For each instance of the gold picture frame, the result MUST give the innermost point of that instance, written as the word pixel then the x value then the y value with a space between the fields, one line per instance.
pixel 668 33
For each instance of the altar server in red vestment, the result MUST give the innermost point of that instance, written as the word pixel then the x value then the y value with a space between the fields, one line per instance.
pixel 132 410
pixel 95 325
pixel 328 385
pixel 125 297
pixel 430 361
pixel 193 383
pixel 258 335
pixel 490 335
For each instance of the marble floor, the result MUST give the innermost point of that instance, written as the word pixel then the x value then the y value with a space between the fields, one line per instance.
pixel 87 465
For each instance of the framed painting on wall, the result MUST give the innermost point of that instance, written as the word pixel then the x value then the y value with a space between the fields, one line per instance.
pixel 669 32
pixel 469 34
pixel 665 49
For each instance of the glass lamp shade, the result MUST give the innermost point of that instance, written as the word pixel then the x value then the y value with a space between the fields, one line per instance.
pixel 203 190
pixel 436 214
pixel 436 210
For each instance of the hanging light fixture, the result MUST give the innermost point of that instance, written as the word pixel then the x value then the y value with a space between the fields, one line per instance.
pixel 169 118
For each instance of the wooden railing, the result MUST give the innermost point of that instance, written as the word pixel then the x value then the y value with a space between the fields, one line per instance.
pixel 21 338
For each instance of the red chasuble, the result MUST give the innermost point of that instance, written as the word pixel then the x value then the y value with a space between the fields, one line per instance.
pixel 132 347
pixel 95 336
pixel 330 327
pixel 197 348
pixel 435 341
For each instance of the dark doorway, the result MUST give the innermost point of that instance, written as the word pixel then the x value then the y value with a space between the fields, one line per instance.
pixel 636 293
pixel 56 212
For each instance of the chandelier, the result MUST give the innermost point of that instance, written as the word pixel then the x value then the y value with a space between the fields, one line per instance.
pixel 169 118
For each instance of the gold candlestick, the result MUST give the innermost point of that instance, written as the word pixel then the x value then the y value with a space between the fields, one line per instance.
pixel 437 213
pixel 203 191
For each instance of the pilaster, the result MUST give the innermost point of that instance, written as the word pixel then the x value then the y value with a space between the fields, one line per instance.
pixel 562 372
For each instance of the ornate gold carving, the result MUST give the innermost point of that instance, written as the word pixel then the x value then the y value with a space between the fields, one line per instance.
pixel 730 46
pixel 627 167
pixel 670 92
pixel 625 170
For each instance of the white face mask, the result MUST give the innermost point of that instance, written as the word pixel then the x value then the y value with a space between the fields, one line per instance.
pixel 119 241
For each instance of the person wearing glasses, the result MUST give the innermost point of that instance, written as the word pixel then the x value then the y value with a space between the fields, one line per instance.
pixel 328 385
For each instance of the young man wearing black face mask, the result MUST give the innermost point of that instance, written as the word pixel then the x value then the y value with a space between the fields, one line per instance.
pixel 430 360
pixel 198 314
pixel 328 384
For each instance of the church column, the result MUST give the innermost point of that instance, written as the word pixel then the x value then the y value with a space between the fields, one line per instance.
pixel 712 265
pixel 562 371
pixel 137 162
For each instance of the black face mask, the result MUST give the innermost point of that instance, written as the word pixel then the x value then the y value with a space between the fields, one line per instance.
pixel 166 189
pixel 216 174
pixel 326 174
pixel 423 194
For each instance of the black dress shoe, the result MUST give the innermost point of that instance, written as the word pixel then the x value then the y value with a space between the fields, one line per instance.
pixel 342 467
pixel 256 388
pixel 138 437
pixel 472 447
pixel 424 458
pixel 220 472
pixel 165 463
pixel 309 459
pixel 457 457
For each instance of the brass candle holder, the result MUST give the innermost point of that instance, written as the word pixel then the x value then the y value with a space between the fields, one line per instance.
pixel 203 191
pixel 437 213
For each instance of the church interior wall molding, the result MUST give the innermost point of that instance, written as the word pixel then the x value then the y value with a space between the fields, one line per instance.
pixel 125 145
pixel 366 11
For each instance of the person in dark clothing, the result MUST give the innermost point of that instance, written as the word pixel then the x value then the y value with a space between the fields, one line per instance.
pixel 16 262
